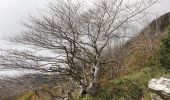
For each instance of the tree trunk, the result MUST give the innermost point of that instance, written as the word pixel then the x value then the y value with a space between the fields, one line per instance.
pixel 95 85
pixel 83 93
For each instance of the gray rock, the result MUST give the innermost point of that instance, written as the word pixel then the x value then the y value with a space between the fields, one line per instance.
pixel 161 87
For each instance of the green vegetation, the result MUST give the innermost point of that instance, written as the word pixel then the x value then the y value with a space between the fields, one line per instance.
pixel 134 85
pixel 28 96
pixel 152 63
pixel 131 87
pixel 165 50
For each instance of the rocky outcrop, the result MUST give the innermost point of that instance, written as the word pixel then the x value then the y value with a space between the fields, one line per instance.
pixel 161 87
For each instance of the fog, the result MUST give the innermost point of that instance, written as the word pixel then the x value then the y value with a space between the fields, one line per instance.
pixel 12 12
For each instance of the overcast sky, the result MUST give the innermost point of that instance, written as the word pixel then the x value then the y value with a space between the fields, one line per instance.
pixel 12 12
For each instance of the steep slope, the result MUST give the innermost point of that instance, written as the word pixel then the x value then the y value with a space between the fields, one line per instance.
pixel 141 48
pixel 142 64
pixel 144 46
pixel 139 66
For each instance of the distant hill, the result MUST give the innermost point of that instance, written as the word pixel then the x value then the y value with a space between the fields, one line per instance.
pixel 141 48
pixel 144 45
pixel 158 25
pixel 139 66
pixel 132 82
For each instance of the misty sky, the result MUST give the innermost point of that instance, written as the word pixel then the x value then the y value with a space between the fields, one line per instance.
pixel 12 12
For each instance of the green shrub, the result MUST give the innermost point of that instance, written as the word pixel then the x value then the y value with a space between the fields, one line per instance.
pixel 164 56
pixel 126 89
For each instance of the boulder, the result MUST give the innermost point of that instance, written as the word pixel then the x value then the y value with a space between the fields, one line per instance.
pixel 161 87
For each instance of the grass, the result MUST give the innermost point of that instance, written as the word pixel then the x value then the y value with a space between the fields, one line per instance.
pixel 27 96
pixel 133 86
pixel 143 66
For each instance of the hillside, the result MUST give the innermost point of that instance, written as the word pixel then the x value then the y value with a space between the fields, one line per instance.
pixel 143 64
pixel 148 41
pixel 140 66
pixel 144 46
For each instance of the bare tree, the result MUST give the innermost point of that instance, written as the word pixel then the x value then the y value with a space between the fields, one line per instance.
pixel 79 35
